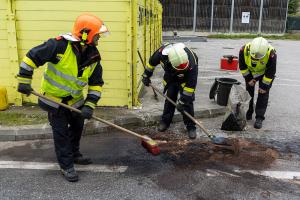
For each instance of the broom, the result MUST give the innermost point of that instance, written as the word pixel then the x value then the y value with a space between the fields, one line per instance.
pixel 148 143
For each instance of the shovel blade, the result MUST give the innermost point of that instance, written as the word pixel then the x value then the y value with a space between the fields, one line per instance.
pixel 219 140
pixel 229 144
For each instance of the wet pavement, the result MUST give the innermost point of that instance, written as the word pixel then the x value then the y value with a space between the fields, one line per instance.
pixel 184 170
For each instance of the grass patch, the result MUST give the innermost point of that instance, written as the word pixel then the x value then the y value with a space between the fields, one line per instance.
pixel 15 119
pixel 286 36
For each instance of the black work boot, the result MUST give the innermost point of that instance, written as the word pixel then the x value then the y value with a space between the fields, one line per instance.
pixel 258 123
pixel 70 174
pixel 80 160
pixel 249 115
pixel 192 134
pixel 162 127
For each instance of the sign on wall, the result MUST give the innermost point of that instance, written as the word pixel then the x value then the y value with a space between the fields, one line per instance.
pixel 245 17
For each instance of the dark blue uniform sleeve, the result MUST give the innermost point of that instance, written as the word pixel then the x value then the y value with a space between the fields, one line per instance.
pixel 243 67
pixel 270 71
pixel 191 76
pixel 39 55
pixel 154 60
pixel 95 86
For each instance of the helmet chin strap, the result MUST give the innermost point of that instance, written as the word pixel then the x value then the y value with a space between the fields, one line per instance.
pixel 83 38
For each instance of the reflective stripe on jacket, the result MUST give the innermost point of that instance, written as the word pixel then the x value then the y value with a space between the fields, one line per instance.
pixel 60 80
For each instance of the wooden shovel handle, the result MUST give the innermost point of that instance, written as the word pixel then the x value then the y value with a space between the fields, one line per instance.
pixel 186 113
pixel 143 63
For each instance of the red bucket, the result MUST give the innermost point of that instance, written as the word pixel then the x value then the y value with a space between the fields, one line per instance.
pixel 229 62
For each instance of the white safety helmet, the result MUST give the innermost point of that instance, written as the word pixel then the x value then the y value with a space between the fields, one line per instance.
pixel 177 56
pixel 259 48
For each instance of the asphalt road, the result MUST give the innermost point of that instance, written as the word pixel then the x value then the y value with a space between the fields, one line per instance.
pixel 123 169
pixel 144 176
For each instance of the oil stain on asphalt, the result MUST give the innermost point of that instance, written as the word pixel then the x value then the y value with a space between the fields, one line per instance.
pixel 192 153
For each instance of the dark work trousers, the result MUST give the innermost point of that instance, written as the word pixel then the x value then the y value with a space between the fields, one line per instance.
pixel 67 128
pixel 261 102
pixel 169 109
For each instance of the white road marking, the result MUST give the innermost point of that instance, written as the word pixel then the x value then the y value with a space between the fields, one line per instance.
pixel 290 175
pixel 54 166
pixel 282 84
pixel 234 73
pixel 219 71
pixel 213 173
pixel 213 77
pixel 238 75
pixel 287 175
pixel 284 79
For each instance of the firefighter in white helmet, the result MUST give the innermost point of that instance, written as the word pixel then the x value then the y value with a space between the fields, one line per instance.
pixel 257 63
pixel 181 72
pixel 73 63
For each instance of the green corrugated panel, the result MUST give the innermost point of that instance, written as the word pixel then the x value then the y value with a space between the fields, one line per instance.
pixel 293 23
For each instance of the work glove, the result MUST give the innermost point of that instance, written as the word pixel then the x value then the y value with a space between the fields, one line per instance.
pixel 183 100
pixel 180 106
pixel 262 91
pixel 87 112
pixel 186 99
pixel 146 80
pixel 252 82
pixel 25 88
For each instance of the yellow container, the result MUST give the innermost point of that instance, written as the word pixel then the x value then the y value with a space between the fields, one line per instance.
pixel 130 23
pixel 3 98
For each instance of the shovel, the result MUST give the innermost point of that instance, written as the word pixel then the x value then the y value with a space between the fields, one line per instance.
pixel 218 141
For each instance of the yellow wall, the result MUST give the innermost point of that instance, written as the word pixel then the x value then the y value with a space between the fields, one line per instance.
pixel 149 33
pixel 8 51
pixel 141 41
pixel 4 57
pixel 36 21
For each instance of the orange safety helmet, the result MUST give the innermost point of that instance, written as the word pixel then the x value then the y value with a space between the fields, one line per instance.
pixel 87 26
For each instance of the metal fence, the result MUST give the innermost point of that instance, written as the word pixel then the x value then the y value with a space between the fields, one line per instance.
pixel 293 23
pixel 225 16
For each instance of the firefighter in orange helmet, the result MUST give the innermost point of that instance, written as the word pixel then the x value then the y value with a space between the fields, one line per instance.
pixel 73 63
pixel 87 29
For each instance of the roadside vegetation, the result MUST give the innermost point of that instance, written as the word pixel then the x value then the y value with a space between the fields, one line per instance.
pixel 293 9
pixel 22 115
pixel 15 119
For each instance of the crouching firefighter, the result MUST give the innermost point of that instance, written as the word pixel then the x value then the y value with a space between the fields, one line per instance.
pixel 73 63
pixel 257 62
pixel 181 72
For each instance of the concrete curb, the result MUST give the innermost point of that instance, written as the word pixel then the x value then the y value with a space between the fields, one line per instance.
pixel 43 131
